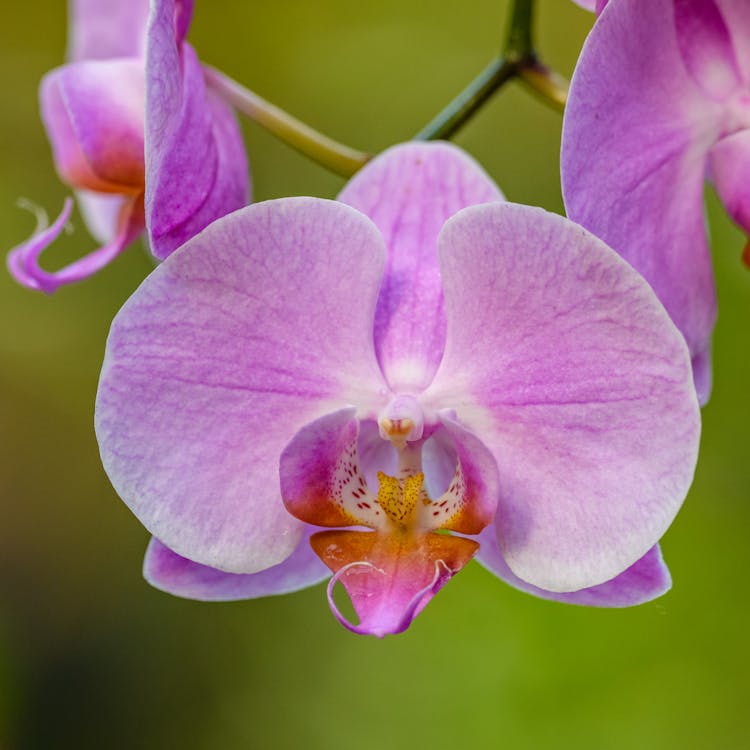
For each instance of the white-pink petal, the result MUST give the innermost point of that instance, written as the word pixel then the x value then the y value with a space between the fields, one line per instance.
pixel 645 580
pixel 103 29
pixel 563 362
pixel 168 571
pixel 258 325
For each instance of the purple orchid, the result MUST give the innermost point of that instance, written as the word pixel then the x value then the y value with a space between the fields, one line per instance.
pixel 355 378
pixel 125 84
pixel 660 101
pixel 596 6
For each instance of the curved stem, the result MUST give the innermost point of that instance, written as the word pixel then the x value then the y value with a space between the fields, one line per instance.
pixel 517 61
pixel 462 108
pixel 547 84
pixel 335 156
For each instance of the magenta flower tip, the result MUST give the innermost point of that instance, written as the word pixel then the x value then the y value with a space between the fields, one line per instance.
pixel 23 260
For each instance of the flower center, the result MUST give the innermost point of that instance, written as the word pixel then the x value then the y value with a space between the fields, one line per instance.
pixel 399 497
pixel 395 565
pixel 401 421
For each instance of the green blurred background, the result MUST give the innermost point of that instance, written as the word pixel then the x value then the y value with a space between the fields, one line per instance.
pixel 92 657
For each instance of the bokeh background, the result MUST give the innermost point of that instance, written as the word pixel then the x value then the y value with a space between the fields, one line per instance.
pixel 92 657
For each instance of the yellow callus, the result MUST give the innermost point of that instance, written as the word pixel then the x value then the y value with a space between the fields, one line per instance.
pixel 398 497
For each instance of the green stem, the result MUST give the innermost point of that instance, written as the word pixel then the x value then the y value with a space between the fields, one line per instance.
pixel 519 43
pixel 517 61
pixel 325 151
pixel 472 98
pixel 548 85
pixel 518 52
pixel 544 82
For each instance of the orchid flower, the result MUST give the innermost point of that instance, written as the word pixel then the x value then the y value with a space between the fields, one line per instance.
pixel 660 101
pixel 361 379
pixel 596 6
pixel 97 110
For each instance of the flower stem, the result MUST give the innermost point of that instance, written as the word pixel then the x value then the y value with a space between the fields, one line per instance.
pixel 518 60
pixel 519 43
pixel 547 84
pixel 470 100
pixel 335 156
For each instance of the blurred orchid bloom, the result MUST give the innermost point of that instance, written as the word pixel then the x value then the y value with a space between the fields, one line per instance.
pixel 97 110
pixel 490 370
pixel 596 6
pixel 660 101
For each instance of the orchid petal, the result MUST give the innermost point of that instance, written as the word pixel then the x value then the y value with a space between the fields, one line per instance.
pixel 389 578
pixel 635 137
pixel 439 462
pixel 737 19
pixel 168 571
pixel 195 158
pixel 225 351
pixel 562 361
pixel 409 191
pixel 183 18
pixel 93 113
pixel 729 167
pixel 103 29
pixel 646 579
pixel 705 45
pixel 23 261
pixel 101 213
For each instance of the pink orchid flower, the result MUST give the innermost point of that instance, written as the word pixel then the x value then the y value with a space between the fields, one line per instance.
pixel 125 84
pixel 596 6
pixel 310 381
pixel 660 101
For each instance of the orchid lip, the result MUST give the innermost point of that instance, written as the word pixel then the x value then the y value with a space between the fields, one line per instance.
pixel 389 578
pixel 400 623
pixel 392 567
